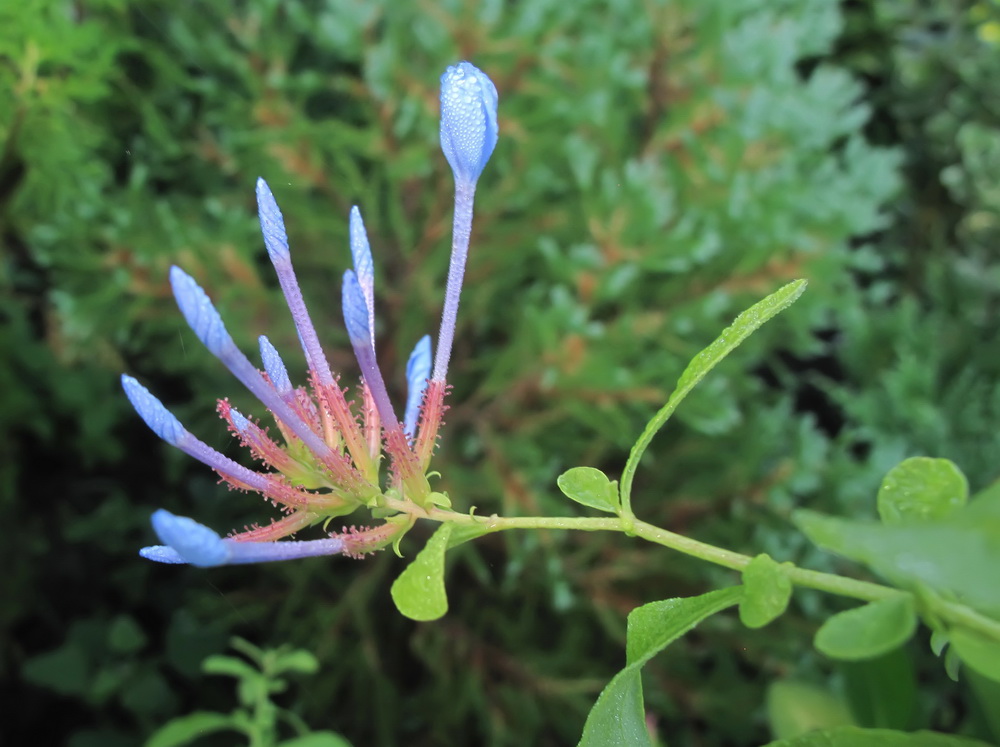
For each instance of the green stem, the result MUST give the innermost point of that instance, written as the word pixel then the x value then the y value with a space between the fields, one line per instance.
pixel 829 582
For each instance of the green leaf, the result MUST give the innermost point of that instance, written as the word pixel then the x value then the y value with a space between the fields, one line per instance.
pixel 985 503
pixel 922 489
pixel 794 708
pixel 882 692
pixel 299 660
pixel 987 695
pixel 419 591
pixel 590 487
pixel 742 327
pixel 185 729
pixel 852 736
pixel 766 591
pixel 949 556
pixel 125 636
pixel 462 533
pixel 441 500
pixel 229 665
pixel 868 631
pixel 66 670
pixel 976 652
pixel 317 739
pixel 618 717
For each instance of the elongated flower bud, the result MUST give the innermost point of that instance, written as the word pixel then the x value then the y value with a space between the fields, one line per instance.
pixel 468 120
pixel 274 366
pixel 364 268
pixel 151 410
pixel 418 371
pixel 186 541
pixel 200 313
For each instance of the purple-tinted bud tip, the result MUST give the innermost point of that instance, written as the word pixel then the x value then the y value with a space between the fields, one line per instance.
pixel 355 311
pixel 272 225
pixel 418 371
pixel 194 542
pixel 274 366
pixel 468 120
pixel 199 312
pixel 152 411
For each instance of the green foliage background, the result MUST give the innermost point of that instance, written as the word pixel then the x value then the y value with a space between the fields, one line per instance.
pixel 661 165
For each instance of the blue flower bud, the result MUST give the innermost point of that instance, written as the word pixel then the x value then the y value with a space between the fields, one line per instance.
pixel 468 120
pixel 151 410
pixel 355 311
pixel 364 268
pixel 272 225
pixel 418 371
pixel 194 542
pixel 199 312
pixel 274 366
pixel 187 541
pixel 240 423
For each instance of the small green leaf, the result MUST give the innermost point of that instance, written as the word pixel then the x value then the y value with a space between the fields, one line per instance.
pixel 299 660
pixel 229 665
pixel 795 708
pixel 852 736
pixel 868 631
pixel 742 327
pixel 185 729
pixel 922 489
pixel 125 636
pixel 948 557
pixel 618 717
pixel 590 487
pixel 766 591
pixel 419 591
pixel 939 639
pixel 440 500
pixel 976 652
pixel 254 653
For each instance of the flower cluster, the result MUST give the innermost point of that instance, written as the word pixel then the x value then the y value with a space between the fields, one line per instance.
pixel 328 461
